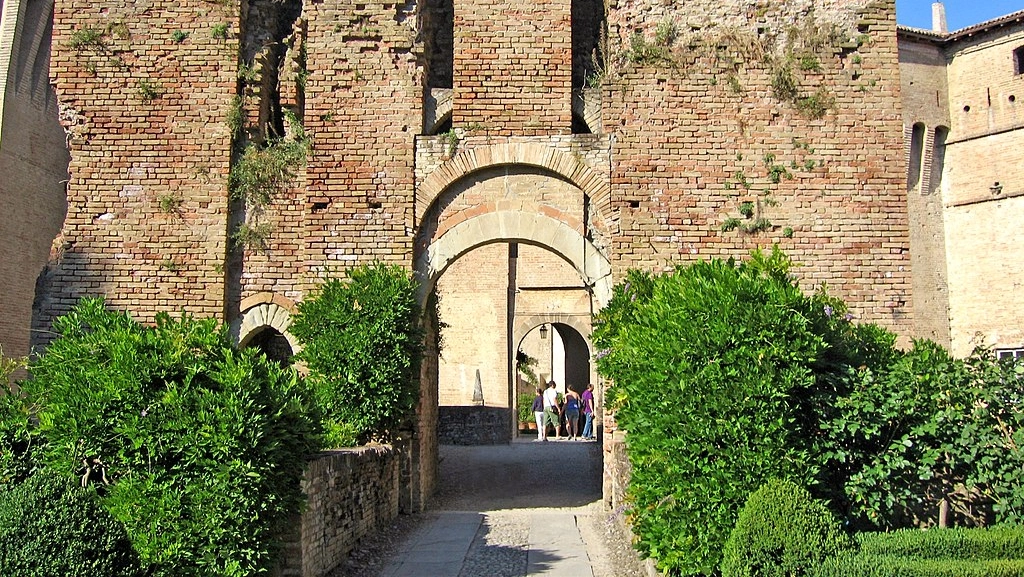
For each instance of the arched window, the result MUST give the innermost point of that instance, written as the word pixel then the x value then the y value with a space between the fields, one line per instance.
pixel 916 156
pixel 938 159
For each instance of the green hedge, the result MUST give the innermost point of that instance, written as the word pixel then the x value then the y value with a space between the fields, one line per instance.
pixel 782 531
pixel 197 448
pixel 866 565
pixel 969 544
pixel 50 527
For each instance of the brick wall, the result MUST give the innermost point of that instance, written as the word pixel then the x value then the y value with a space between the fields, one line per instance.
pixel 696 140
pixel 513 67
pixel 33 163
pixel 350 494
pixel 925 99
pixel 363 106
pixel 144 104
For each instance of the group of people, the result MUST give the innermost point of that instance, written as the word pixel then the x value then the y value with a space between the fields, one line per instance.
pixel 549 410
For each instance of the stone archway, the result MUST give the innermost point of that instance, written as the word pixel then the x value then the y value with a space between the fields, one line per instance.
pixel 261 311
pixel 510 226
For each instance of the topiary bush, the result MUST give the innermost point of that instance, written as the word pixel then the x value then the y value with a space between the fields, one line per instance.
pixel 50 526
pixel 197 448
pixel 782 531
pixel 363 344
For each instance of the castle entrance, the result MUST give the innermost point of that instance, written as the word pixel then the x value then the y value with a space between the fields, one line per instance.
pixel 510 273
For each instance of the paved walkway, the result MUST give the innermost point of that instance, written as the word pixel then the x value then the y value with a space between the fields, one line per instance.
pixel 508 511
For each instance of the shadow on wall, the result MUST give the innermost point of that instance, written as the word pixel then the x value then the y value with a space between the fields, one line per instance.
pixel 474 425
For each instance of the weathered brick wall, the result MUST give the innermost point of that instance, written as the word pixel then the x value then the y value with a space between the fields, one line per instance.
pixel 145 104
pixel 695 141
pixel 33 163
pixel 982 217
pixel 925 99
pixel 362 107
pixel 513 67
pixel 350 494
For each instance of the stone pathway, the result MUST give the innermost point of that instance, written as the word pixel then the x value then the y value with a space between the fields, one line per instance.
pixel 520 510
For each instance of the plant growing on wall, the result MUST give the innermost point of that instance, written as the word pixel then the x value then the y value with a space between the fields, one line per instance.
pixel 261 172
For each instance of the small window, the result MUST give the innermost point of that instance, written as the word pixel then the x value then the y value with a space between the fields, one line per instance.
pixel 1016 354
pixel 1018 60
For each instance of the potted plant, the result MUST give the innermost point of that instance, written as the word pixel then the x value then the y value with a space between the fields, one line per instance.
pixel 525 412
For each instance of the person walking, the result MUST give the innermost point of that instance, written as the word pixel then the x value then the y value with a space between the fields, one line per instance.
pixel 588 412
pixel 551 409
pixel 572 413
pixel 538 415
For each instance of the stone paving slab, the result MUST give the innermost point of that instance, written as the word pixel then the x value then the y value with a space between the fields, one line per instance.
pixel 438 549
pixel 555 546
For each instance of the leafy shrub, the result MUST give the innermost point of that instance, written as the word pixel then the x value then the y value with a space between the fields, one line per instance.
pixel 993 543
pixel 49 526
pixel 19 440
pixel 363 345
pixel 713 381
pixel 929 428
pixel 782 531
pixel 991 435
pixel 197 448
pixel 524 408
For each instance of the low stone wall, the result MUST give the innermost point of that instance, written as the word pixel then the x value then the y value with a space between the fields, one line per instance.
pixel 616 470
pixel 474 425
pixel 350 493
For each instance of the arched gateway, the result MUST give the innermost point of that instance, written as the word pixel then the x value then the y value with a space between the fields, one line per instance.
pixel 521 222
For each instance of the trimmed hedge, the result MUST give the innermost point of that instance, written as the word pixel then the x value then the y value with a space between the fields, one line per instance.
pixel 782 531
pixel 865 565
pixel 49 526
pixel 967 544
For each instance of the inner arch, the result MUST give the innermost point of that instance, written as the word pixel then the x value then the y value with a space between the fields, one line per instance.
pixel 511 226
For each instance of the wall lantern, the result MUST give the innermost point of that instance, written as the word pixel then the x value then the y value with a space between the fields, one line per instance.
pixel 543 332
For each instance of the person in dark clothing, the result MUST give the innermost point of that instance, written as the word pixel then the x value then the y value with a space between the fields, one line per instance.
pixel 538 415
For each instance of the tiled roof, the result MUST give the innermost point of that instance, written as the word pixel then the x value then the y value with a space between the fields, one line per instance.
pixel 963 32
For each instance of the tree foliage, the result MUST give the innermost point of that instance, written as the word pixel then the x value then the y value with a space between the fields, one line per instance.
pixel 726 375
pixel 712 371
pixel 363 345
pixel 197 448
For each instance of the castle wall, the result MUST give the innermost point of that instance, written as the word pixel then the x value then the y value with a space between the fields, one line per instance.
pixel 363 106
pixel 33 162
pixel 925 109
pixel 145 90
pixel 983 189
pixel 513 67
pixel 697 139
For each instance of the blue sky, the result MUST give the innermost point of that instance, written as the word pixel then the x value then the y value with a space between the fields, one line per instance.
pixel 959 13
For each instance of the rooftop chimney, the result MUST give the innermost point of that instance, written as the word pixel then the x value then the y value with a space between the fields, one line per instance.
pixel 939 18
